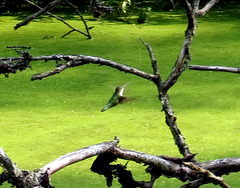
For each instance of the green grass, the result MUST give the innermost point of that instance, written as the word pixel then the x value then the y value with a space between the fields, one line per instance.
pixel 45 119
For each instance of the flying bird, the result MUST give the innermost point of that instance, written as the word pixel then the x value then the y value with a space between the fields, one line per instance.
pixel 116 99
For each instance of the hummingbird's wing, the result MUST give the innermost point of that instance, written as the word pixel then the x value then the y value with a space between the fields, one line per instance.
pixel 122 99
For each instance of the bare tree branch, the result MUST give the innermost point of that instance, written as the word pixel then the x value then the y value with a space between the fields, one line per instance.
pixel 215 68
pixel 184 56
pixel 58 70
pixel 207 7
pixel 79 155
pixel 209 175
pixel 197 173
pixel 196 5
pixel 21 178
pixel 180 65
pixel 196 183
pixel 8 65
pixel 67 24
pixel 80 15
pixel 39 13
pixel 153 59
pixel 8 165
pixel 163 87
pixel 78 60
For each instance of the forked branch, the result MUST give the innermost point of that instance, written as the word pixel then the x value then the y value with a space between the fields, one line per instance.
pixel 207 7
pixel 66 23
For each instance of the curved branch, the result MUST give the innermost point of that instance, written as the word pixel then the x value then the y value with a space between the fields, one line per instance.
pixel 197 173
pixel 165 165
pixel 79 155
pixel 215 68
pixel 78 60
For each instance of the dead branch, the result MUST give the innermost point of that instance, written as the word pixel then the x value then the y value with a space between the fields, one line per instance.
pixel 21 178
pixel 39 13
pixel 8 165
pixel 158 165
pixel 180 65
pixel 79 155
pixel 79 60
pixel 153 59
pixel 215 68
pixel 215 179
pixel 80 15
pixel 58 70
pixel 67 24
pixel 184 56
pixel 207 7
pixel 8 66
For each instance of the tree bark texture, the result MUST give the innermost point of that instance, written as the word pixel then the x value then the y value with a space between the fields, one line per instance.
pixel 182 169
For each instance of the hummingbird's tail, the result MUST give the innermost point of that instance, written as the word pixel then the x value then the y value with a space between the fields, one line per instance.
pixel 104 108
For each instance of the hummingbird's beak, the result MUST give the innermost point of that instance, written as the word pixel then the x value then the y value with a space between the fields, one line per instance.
pixel 125 85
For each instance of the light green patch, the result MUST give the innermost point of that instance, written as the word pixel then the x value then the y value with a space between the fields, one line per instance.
pixel 45 119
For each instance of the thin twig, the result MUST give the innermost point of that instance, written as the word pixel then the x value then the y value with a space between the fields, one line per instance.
pixel 152 57
pixel 83 20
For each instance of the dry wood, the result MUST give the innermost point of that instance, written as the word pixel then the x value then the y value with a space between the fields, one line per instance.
pixel 66 23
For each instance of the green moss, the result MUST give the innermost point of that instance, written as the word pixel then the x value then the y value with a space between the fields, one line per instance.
pixel 45 119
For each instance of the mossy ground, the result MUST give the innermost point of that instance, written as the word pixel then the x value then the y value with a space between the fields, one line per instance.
pixel 42 120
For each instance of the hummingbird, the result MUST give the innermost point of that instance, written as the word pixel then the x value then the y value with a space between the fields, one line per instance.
pixel 116 98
